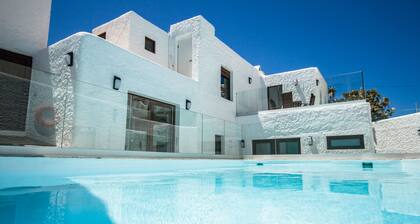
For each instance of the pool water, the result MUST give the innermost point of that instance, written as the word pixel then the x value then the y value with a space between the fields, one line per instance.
pixel 276 192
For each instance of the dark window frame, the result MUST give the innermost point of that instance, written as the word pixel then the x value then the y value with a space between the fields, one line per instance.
pixel 345 137
pixel 273 146
pixel 151 119
pixel 218 149
pixel 102 35
pixel 227 89
pixel 271 107
pixel 289 140
pixel 150 44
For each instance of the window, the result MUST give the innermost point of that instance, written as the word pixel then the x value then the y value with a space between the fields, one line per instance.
pixel 274 97
pixel 102 35
pixel 346 142
pixel 263 147
pixel 312 100
pixel 287 99
pixel 150 125
pixel 15 76
pixel 149 45
pixel 288 146
pixel 225 84
pixel 276 146
pixel 218 145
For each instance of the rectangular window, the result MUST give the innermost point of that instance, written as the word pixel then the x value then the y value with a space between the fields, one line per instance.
pixel 263 147
pixel 287 99
pixel 346 142
pixel 218 145
pixel 102 35
pixel 288 146
pixel 225 84
pixel 274 97
pixel 15 76
pixel 276 146
pixel 149 45
pixel 150 125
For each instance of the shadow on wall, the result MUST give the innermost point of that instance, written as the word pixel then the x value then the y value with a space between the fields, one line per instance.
pixel 59 204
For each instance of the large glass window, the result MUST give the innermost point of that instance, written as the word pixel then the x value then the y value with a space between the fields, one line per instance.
pixel 274 97
pixel 276 146
pixel 263 147
pixel 346 142
pixel 288 146
pixel 150 125
pixel 225 84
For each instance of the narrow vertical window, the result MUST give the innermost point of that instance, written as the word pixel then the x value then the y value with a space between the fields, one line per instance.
pixel 102 35
pixel 149 45
pixel 225 84
pixel 218 144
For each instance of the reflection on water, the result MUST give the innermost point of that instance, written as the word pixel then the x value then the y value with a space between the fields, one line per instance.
pixel 350 187
pixel 278 181
pixel 230 196
pixel 63 204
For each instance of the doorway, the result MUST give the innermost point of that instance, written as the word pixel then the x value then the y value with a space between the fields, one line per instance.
pixel 150 125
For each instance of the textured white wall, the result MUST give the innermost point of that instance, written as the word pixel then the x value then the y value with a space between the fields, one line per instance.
pixel 129 31
pixel 24 25
pixel 348 118
pixel 398 135
pixel 306 84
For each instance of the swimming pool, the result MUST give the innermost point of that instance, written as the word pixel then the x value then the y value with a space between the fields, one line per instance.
pixel 240 192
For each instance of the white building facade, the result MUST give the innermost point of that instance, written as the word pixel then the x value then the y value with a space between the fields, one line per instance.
pixel 131 86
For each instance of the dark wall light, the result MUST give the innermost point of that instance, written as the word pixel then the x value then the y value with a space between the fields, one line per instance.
pixel 242 143
pixel 249 80
pixel 69 59
pixel 116 83
pixel 187 104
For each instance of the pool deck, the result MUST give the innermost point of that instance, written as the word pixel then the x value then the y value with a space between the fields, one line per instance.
pixel 45 151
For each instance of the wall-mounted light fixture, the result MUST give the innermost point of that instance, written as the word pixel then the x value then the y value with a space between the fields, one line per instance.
pixel 249 80
pixel 317 82
pixel 242 143
pixel 187 104
pixel 296 82
pixel 69 59
pixel 310 141
pixel 116 83
pixel 418 131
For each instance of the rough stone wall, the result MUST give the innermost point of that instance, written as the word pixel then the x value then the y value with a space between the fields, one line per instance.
pixel 349 118
pixel 306 84
pixel 398 135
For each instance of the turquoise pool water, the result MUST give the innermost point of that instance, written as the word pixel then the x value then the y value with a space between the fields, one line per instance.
pixel 277 192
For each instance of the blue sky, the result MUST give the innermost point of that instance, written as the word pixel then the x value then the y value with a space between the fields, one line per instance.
pixel 382 38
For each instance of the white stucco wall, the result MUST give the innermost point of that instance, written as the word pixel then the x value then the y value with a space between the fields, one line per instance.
pixel 398 135
pixel 349 118
pixel 306 84
pixel 24 25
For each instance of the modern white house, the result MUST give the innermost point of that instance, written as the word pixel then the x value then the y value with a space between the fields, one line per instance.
pixel 131 86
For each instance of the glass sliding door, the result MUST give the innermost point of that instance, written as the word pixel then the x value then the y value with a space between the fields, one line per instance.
pixel 150 125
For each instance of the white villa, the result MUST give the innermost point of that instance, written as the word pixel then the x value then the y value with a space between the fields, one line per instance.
pixel 131 86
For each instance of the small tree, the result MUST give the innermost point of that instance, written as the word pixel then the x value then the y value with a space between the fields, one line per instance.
pixel 380 108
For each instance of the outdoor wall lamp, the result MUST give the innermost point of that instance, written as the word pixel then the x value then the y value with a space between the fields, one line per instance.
pixel 311 141
pixel 117 83
pixel 187 104
pixel 242 143
pixel 418 131
pixel 249 80
pixel 296 82
pixel 69 59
